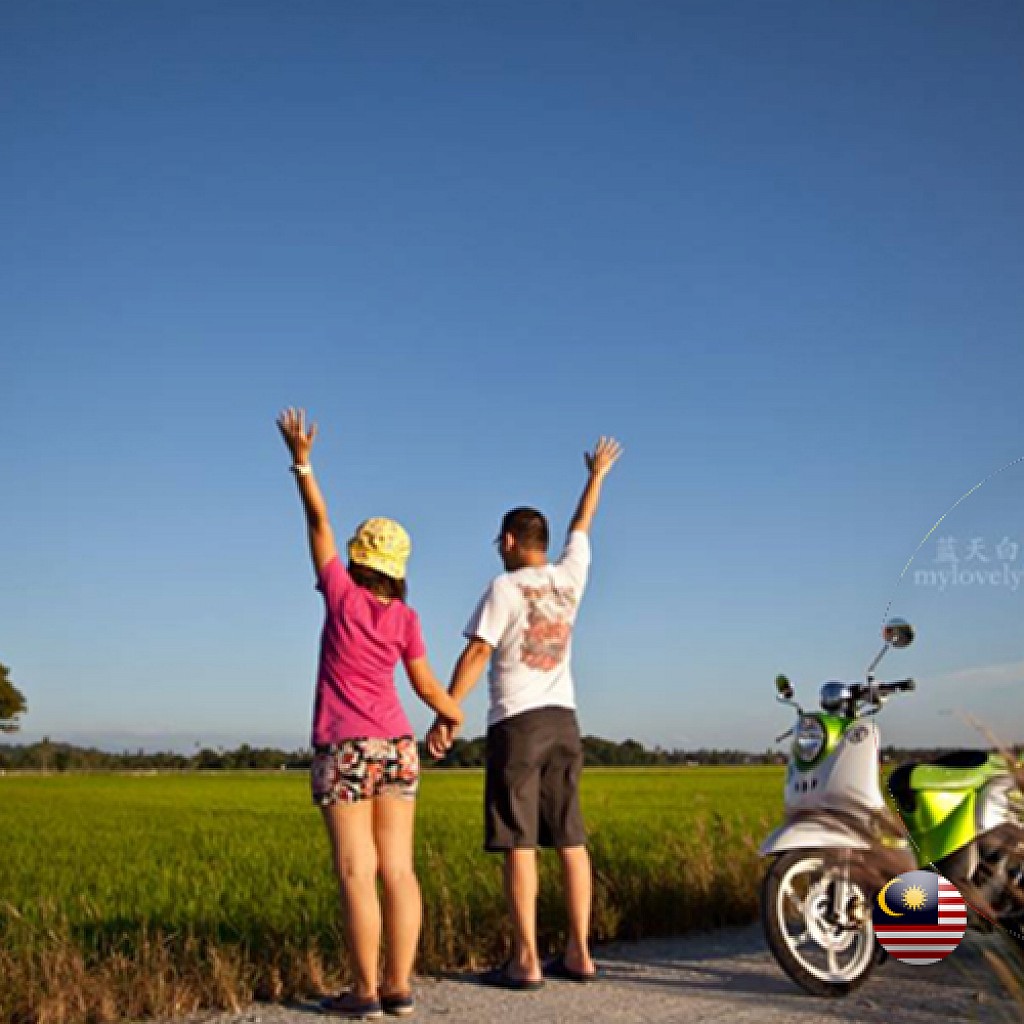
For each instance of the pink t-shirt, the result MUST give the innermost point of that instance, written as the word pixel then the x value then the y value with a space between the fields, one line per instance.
pixel 362 641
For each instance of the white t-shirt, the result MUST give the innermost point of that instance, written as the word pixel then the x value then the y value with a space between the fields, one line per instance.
pixel 527 617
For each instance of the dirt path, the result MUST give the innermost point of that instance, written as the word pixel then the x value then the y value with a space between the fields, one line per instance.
pixel 722 976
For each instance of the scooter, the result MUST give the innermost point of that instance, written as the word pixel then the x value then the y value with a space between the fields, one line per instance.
pixel 960 815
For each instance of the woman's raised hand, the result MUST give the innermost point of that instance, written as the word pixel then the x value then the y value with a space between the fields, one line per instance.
pixel 292 424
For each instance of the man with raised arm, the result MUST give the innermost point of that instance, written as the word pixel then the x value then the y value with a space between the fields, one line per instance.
pixel 523 627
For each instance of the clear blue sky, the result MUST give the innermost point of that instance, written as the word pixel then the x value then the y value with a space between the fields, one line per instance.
pixel 776 248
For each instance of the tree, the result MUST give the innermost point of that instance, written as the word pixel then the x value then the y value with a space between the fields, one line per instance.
pixel 12 702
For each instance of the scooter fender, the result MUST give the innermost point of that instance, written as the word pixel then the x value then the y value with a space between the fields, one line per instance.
pixel 811 835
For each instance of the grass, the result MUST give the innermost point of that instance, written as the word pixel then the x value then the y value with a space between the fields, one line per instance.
pixel 137 896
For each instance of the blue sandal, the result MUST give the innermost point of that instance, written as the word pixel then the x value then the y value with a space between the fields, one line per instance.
pixel 351 1007
pixel 558 968
pixel 499 977
pixel 401 1004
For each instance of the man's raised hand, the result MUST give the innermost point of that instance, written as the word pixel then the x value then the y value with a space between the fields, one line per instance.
pixel 605 454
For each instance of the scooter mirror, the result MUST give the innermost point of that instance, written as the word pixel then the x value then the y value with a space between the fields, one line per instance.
pixel 898 633
pixel 784 686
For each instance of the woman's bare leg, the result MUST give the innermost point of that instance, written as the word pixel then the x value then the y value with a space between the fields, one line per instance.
pixel 393 822
pixel 350 826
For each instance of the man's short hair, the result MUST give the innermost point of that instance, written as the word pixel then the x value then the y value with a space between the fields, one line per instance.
pixel 528 526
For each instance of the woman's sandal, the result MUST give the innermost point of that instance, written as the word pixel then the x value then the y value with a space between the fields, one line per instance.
pixel 351 1007
pixel 558 968
pixel 399 1004
pixel 500 977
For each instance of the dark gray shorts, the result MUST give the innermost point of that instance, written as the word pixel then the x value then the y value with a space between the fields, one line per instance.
pixel 531 791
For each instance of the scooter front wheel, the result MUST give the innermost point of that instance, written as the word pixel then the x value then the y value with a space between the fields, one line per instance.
pixel 816 922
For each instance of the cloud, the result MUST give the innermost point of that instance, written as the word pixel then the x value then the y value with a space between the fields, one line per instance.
pixel 1007 673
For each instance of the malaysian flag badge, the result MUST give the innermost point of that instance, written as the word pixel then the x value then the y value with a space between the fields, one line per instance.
pixel 919 917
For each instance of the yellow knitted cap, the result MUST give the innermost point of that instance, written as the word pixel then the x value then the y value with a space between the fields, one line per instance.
pixel 381 544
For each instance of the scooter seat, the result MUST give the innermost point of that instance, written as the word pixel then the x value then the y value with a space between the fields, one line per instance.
pixel 938 777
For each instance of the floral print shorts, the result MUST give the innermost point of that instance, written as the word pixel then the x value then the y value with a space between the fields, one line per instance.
pixel 362 768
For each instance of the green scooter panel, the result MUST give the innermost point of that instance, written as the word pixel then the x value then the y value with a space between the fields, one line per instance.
pixel 942 822
pixel 945 800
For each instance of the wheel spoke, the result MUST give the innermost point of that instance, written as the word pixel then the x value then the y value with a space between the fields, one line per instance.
pixel 833 963
pixel 799 907
pixel 798 903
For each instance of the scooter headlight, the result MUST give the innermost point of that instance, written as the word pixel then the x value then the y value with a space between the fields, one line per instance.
pixel 809 739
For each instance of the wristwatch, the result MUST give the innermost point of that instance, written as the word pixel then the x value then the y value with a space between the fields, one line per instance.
pixel 301 468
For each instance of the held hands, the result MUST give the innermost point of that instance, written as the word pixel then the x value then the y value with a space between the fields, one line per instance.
pixel 292 424
pixel 605 454
pixel 441 736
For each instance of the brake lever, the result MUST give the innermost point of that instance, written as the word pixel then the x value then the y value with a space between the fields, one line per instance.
pixel 788 732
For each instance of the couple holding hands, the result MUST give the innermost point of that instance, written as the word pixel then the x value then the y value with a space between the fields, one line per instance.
pixel 365 771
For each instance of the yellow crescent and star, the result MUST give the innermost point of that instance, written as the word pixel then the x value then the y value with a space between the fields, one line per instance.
pixel 913 899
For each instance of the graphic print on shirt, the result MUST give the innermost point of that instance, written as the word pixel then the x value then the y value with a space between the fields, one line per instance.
pixel 550 612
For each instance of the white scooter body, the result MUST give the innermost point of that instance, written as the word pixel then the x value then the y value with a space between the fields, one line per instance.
pixel 845 781
pixel 995 804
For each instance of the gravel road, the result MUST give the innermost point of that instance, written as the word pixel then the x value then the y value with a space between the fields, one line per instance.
pixel 721 976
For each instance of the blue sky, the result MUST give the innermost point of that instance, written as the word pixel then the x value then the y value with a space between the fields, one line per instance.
pixel 777 249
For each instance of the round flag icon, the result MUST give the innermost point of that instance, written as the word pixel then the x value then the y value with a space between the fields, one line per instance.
pixel 919 917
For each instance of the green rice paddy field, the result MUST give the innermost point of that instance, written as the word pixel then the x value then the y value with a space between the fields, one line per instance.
pixel 129 896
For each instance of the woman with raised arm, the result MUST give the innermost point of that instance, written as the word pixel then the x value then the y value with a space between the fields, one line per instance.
pixel 365 771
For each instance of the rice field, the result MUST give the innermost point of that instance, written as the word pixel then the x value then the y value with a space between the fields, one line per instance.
pixel 152 895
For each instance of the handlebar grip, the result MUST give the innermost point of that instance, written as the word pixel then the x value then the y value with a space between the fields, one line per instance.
pixel 900 686
pixel 863 691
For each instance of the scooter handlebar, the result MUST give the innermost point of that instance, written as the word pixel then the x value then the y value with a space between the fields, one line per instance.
pixel 865 691
pixel 900 686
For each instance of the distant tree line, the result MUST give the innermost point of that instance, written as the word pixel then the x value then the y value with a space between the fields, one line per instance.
pixel 50 755
pixel 624 753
